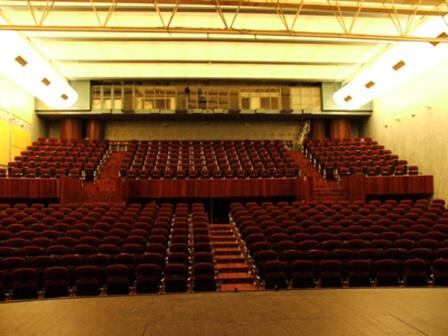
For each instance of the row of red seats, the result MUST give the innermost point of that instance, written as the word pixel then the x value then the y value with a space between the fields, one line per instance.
pixel 51 158
pixel 151 245
pixel 364 156
pixel 202 159
pixel 304 244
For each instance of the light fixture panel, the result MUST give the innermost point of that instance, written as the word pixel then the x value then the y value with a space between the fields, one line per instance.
pixel 397 65
pixel 23 65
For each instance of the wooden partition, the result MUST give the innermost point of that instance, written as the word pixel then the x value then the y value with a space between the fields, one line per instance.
pixel 70 190
pixel 361 187
pixel 66 189
pixel 218 188
pixel 304 188
pixel 29 188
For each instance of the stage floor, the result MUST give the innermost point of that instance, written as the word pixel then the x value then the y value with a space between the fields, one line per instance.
pixel 303 312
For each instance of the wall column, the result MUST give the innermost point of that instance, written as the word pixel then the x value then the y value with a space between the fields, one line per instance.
pixel 94 129
pixel 71 129
pixel 340 129
pixel 318 129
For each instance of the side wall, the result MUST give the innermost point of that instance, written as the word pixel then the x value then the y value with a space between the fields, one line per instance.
pixel 412 121
pixel 16 120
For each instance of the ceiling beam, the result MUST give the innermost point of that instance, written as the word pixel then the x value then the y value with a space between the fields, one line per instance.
pixel 161 61
pixel 242 32
pixel 402 7
pixel 188 2
pixel 107 39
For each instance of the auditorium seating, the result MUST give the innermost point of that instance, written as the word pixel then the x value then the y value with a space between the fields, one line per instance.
pixel 335 244
pixel 113 249
pixel 48 157
pixel 338 158
pixel 104 248
pixel 207 159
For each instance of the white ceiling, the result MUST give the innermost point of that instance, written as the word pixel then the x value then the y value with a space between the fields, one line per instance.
pixel 82 45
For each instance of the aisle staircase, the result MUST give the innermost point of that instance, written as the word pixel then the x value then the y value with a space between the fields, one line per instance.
pixel 234 271
pixel 107 184
pixel 323 190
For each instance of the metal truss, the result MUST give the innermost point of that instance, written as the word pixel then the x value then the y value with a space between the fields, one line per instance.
pixel 404 15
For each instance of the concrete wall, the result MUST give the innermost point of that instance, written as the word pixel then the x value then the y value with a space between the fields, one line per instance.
pixel 17 119
pixel 412 121
pixel 201 130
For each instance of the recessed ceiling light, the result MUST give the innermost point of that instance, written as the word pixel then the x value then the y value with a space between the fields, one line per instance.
pixel 442 35
pixel 397 66
pixel 369 84
pixel 19 59
pixel 46 81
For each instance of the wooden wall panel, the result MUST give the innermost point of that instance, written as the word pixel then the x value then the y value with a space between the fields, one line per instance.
pixel 222 188
pixel 94 129
pixel 340 128
pixel 71 129
pixel 392 185
pixel 360 187
pixel 304 188
pixel 318 129
pixel 29 188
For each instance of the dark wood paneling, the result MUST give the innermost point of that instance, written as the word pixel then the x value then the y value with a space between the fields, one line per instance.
pixel 94 129
pixel 29 188
pixel 318 129
pixel 340 129
pixel 304 188
pixel 354 188
pixel 71 129
pixel 359 187
pixel 70 190
pixel 215 188
pixel 390 185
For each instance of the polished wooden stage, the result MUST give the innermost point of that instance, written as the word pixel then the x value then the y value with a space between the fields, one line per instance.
pixel 357 312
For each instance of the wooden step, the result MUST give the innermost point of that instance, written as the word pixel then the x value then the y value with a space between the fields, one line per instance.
pixel 227 251
pixel 235 287
pixel 220 226
pixel 231 267
pixel 235 277
pixel 223 244
pixel 228 231
pixel 222 238
pixel 229 259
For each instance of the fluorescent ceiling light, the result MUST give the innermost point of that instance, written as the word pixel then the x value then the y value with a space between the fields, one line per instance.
pixel 22 64
pixel 396 66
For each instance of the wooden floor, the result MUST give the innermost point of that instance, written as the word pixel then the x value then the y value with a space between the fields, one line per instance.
pixel 314 312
